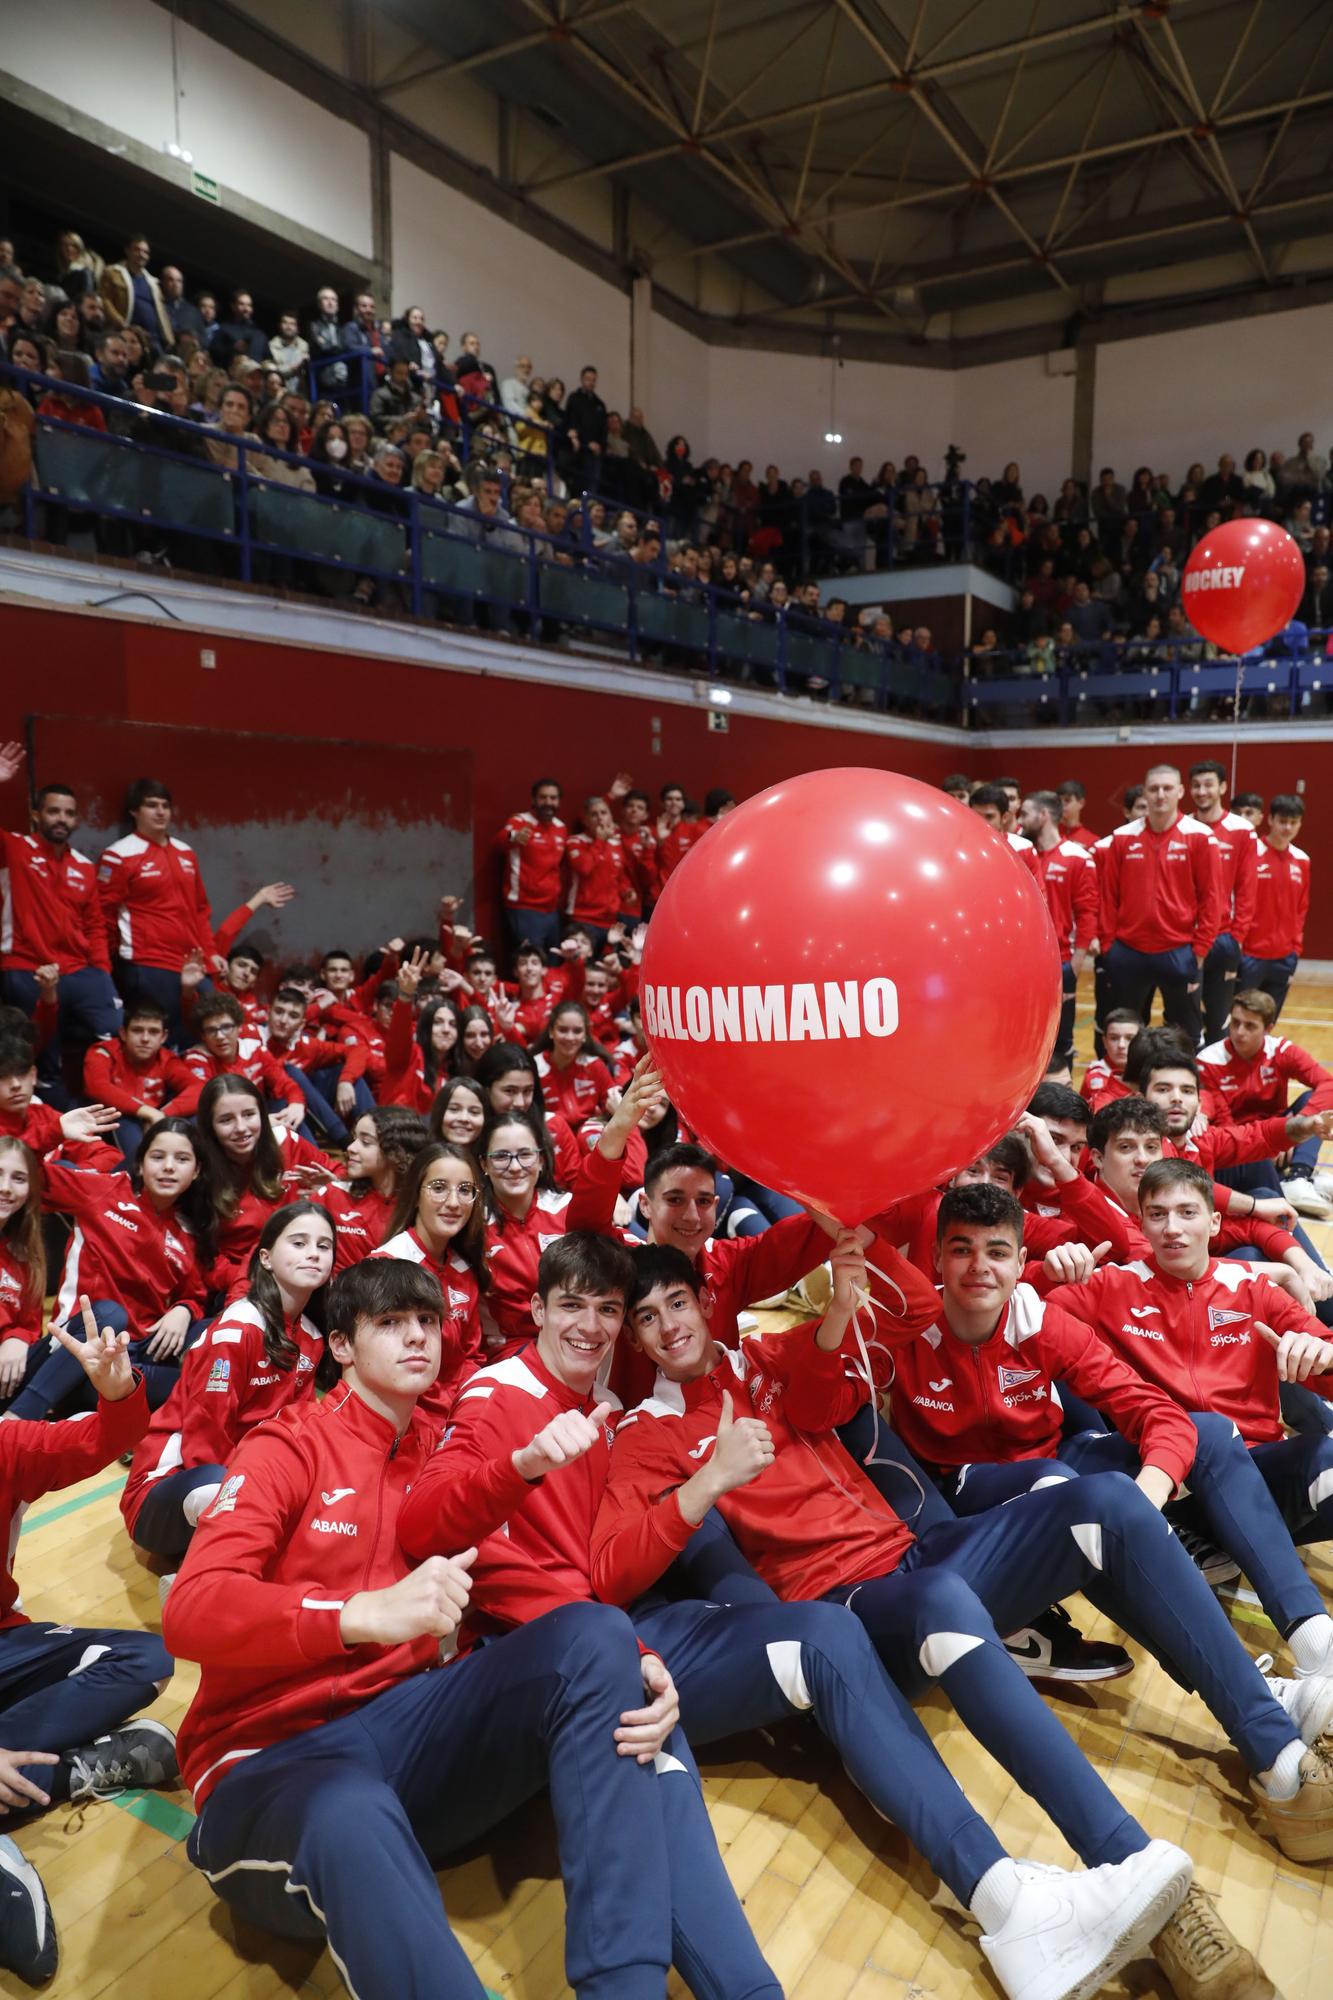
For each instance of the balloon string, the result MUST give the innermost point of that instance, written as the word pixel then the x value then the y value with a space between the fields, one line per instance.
pixel 863 1369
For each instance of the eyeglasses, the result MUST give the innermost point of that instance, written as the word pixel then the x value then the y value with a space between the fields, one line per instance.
pixel 465 1190
pixel 527 1156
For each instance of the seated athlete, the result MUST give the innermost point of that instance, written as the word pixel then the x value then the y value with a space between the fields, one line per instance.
pixel 66 1692
pixel 1251 1069
pixel 814 1527
pixel 995 1431
pixel 1104 1078
pixel 1219 1335
pixel 260 1353
pixel 347 1735
pixel 523 1473
pixel 135 1072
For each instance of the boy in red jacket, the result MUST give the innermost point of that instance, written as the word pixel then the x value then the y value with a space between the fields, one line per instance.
pixel 1216 1335
pixel 523 1472
pixel 135 1072
pixel 1273 944
pixel 348 1735
pixel 1251 1070
pixel 66 1692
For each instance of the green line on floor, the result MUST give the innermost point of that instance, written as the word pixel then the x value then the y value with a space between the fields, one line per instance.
pixel 155 1811
pixel 58 1512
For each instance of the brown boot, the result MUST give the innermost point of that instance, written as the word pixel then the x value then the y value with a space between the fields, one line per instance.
pixel 1303 1826
pixel 1202 1960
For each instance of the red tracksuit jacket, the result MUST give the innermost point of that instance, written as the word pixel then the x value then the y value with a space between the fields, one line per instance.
pixel 1196 1341
pixel 533 1538
pixel 39 1128
pixel 310 1052
pixel 121 1248
pixel 1238 849
pixel 227 1385
pixel 955 1405
pixel 307 1517
pixel 1282 904
pixel 251 1060
pixel 20 1318
pixel 641 882
pixel 154 902
pixel 50 911
pixel 1101 1085
pixel 463 1346
pixel 36 1458
pixel 109 1077
pixel 597 886
pixel 672 847
pixel 360 1220
pixel 810 1521
pixel 1258 1088
pixel 577 1092
pixel 1161 890
pixel 1068 879
pixel 532 869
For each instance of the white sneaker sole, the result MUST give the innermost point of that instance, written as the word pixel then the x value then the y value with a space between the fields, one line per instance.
pixel 1159 1894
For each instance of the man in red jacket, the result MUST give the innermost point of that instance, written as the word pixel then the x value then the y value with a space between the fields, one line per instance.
pixel 816 1529
pixel 596 857
pixel 1067 876
pixel 1161 906
pixel 155 904
pixel 1275 940
pixel 531 846
pixel 348 1734
pixel 65 1691
pixel 135 1073
pixel 1214 1335
pixel 50 914
pixel 1237 854
pixel 500 1480
pixel 1251 1071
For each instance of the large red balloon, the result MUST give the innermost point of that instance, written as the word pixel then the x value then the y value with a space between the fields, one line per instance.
pixel 1242 584
pixel 851 986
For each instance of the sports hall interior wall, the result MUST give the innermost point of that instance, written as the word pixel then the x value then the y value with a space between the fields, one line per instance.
pixel 294 703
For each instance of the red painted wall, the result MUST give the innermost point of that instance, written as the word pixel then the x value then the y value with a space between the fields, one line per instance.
pixel 515 731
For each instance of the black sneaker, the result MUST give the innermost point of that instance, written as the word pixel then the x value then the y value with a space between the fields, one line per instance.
pixel 1052 1648
pixel 27 1929
pixel 1216 1566
pixel 132 1759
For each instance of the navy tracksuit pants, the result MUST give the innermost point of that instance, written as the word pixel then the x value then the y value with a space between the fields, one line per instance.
pixel 939 1615
pixel 63 1685
pixel 1228 1485
pixel 55 1379
pixel 750 1665
pixel 335 1832
pixel 160 1526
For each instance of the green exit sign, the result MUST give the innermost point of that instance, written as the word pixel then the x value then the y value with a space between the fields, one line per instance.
pixel 206 189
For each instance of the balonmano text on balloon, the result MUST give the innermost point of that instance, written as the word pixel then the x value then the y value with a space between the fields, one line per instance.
pixel 832 1010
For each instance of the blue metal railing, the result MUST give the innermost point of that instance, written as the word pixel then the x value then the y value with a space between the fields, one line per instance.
pixel 161 475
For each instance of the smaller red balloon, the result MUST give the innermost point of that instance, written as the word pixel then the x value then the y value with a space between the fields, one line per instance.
pixel 1242 584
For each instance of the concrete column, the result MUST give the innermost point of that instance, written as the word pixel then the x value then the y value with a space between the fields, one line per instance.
pixel 640 344
pixel 1085 411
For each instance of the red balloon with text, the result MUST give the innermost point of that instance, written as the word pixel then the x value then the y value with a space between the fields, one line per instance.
pixel 851 986
pixel 1242 584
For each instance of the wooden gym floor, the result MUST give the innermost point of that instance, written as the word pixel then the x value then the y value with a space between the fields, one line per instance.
pixel 842 1908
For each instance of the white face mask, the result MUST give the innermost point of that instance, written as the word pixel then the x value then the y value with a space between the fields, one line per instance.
pixel 336 448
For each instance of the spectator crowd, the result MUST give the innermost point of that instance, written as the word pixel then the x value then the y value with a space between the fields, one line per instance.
pixel 425 1322
pixel 384 416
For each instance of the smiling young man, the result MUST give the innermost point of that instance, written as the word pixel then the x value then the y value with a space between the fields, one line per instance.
pixel 225 1049
pixel 347 1735
pixel 816 1529
pixel 1161 905
pixel 1219 1336
pixel 1104 1078
pixel 1274 941
pixel 525 1467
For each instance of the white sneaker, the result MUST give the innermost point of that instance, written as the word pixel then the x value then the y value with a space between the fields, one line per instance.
pixel 1066 1934
pixel 1323 1181
pixel 1308 1701
pixel 1306 1199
